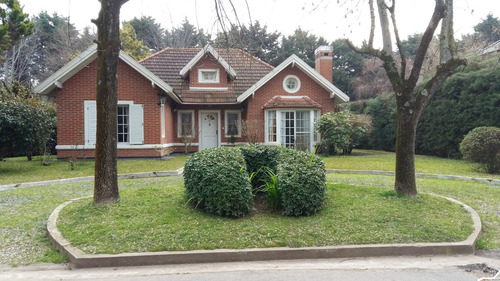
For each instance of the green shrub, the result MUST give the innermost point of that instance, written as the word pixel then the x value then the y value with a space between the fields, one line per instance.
pixel 26 121
pixel 341 131
pixel 259 160
pixel 216 180
pixel 301 183
pixel 482 145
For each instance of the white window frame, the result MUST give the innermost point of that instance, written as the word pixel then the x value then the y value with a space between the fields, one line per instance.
pixel 285 84
pixel 179 120
pixel 126 125
pixel 136 123
pixel 278 114
pixel 268 128
pixel 226 123
pixel 317 136
pixel 201 78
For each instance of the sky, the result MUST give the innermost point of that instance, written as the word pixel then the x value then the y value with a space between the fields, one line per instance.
pixel 331 19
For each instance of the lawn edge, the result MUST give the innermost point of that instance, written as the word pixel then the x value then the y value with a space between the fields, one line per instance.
pixel 421 175
pixel 82 260
pixel 141 175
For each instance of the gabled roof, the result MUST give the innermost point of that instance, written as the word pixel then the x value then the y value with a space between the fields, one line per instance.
pixel 295 61
pixel 57 79
pixel 207 49
pixel 168 63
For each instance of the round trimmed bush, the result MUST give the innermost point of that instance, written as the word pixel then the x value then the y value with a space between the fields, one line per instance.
pixel 482 145
pixel 259 160
pixel 216 180
pixel 301 183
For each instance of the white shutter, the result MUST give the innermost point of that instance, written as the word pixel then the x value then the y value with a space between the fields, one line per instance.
pixel 136 123
pixel 90 122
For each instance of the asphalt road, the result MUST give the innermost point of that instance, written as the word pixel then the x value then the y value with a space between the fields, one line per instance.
pixel 455 268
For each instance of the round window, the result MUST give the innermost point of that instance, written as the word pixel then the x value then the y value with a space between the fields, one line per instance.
pixel 291 84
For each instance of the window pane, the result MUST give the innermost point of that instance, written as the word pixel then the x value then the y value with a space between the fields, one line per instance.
pixel 288 128
pixel 232 124
pixel 123 122
pixel 271 126
pixel 186 124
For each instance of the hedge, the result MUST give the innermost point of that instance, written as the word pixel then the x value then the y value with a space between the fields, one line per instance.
pixel 301 183
pixel 217 181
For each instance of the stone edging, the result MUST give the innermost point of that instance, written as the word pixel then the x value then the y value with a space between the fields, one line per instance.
pixel 91 178
pixel 82 260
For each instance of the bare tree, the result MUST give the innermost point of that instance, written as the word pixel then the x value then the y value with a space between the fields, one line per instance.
pixel 108 50
pixel 411 96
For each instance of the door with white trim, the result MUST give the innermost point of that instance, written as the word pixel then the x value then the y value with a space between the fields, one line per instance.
pixel 209 130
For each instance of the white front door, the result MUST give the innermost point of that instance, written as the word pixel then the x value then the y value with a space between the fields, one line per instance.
pixel 209 130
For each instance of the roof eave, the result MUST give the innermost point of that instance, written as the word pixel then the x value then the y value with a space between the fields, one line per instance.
pixel 67 71
pixel 74 66
pixel 207 49
pixel 155 80
pixel 296 61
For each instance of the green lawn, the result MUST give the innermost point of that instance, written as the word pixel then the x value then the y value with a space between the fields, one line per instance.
pixel 385 161
pixel 19 170
pixel 24 211
pixel 153 215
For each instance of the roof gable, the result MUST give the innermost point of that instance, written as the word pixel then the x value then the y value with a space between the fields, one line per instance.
pixel 57 79
pixel 207 49
pixel 295 61
pixel 168 63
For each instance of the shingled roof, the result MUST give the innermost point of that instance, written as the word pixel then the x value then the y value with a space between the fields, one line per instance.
pixel 168 63
pixel 291 102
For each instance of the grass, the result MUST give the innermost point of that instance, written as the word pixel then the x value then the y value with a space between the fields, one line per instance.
pixel 23 219
pixel 19 170
pixel 352 215
pixel 482 197
pixel 385 161
pixel 24 211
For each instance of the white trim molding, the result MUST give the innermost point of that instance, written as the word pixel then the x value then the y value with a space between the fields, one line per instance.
pixel 295 61
pixel 209 89
pixel 207 49
pixel 123 146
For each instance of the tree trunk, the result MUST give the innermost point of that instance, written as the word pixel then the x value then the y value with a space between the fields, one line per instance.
pixel 108 50
pixel 405 183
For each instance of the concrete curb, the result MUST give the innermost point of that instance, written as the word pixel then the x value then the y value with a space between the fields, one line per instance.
pixel 91 178
pixel 82 260
pixel 421 175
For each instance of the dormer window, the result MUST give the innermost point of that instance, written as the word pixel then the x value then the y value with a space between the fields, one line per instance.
pixel 208 76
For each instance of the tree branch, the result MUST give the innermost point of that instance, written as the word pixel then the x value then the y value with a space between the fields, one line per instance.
pixel 446 39
pixel 437 15
pixel 372 24
pixel 398 39
pixel 384 25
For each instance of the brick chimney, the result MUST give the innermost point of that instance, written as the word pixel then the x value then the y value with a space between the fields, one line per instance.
pixel 324 61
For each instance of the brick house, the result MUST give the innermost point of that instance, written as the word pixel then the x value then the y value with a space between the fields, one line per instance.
pixel 200 98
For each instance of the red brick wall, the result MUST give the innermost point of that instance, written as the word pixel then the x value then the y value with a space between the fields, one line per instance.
pixel 274 87
pixel 208 62
pixel 221 109
pixel 134 87
pixel 131 87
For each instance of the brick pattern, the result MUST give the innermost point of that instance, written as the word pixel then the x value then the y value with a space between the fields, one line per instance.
pixel 274 88
pixel 132 86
